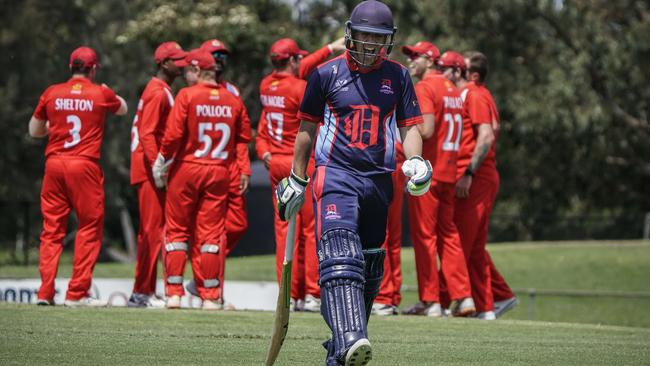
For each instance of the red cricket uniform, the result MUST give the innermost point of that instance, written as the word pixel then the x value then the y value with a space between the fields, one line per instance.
pixel 432 215
pixel 473 213
pixel 281 95
pixel 391 283
pixel 148 128
pixel 203 129
pixel 73 179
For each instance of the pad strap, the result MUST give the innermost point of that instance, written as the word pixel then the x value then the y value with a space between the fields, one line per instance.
pixel 210 248
pixel 173 246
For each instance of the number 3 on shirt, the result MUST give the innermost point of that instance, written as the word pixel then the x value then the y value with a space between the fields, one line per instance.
pixel 74 131
pixel 448 144
pixel 218 152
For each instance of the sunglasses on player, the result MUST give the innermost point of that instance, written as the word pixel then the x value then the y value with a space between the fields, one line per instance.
pixel 220 56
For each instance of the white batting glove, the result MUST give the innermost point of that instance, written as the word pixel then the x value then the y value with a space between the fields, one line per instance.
pixel 420 172
pixel 160 170
pixel 290 195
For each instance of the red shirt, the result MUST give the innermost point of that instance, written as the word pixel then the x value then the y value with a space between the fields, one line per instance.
pixel 148 127
pixel 281 94
pixel 437 95
pixel 204 125
pixel 478 108
pixel 76 111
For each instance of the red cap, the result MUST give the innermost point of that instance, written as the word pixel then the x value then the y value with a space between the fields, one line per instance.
pixel 171 50
pixel 422 48
pixel 200 58
pixel 452 59
pixel 285 48
pixel 85 54
pixel 214 45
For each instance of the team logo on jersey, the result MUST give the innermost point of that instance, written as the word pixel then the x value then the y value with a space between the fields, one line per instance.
pixel 76 89
pixel 214 94
pixel 335 69
pixel 274 85
pixel 331 213
pixel 340 84
pixel 386 86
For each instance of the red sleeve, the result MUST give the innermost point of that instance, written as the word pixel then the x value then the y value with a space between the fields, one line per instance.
pixel 151 114
pixel 41 111
pixel 311 61
pixel 478 109
pixel 110 100
pixel 425 98
pixel 262 138
pixel 243 161
pixel 176 126
pixel 243 138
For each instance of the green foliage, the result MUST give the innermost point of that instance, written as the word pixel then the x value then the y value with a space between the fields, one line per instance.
pixel 570 79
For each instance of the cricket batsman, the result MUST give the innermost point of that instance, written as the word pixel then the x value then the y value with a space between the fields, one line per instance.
pixel 432 215
pixel 358 97
pixel 148 128
pixel 478 185
pixel 199 145
pixel 71 115
pixel 281 93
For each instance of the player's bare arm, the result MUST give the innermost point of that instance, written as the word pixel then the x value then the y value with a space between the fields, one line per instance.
pixel 244 183
pixel 123 107
pixel 38 128
pixel 484 142
pixel 427 127
pixel 303 147
pixel 411 140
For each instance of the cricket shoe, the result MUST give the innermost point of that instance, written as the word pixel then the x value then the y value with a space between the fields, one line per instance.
pixel 311 304
pixel 431 309
pixel 503 306
pixel 212 305
pixel 145 301
pixel 86 302
pixel 382 309
pixel 173 302
pixel 463 307
pixel 486 315
pixel 44 302
pixel 359 354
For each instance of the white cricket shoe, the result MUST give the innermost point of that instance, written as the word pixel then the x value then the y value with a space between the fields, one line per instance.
pixel 359 354
pixel 86 302
pixel 503 306
pixel 486 315
pixel 212 305
pixel 145 301
pixel 173 302
pixel 380 309
pixel 311 304
pixel 431 309
pixel 463 307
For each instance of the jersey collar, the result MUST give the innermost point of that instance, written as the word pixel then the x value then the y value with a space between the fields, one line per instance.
pixel 352 65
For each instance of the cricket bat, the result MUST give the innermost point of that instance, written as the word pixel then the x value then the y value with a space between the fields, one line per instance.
pixel 281 323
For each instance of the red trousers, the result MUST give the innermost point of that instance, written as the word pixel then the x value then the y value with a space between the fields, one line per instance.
pixel 431 218
pixel 304 273
pixel 391 284
pixel 236 225
pixel 151 202
pixel 195 214
pixel 472 218
pixel 71 183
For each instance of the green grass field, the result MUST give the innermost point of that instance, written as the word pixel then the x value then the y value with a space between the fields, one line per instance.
pixel 52 336
pixel 589 265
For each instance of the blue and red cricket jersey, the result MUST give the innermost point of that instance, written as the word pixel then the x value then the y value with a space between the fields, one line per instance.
pixel 359 111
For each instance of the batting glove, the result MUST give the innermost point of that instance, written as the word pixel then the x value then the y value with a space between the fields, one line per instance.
pixel 160 170
pixel 290 195
pixel 420 172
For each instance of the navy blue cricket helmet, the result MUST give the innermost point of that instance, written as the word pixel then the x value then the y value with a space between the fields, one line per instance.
pixel 375 17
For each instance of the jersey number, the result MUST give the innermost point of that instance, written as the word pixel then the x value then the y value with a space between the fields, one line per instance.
pixel 278 119
pixel 218 152
pixel 455 123
pixel 135 137
pixel 74 131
